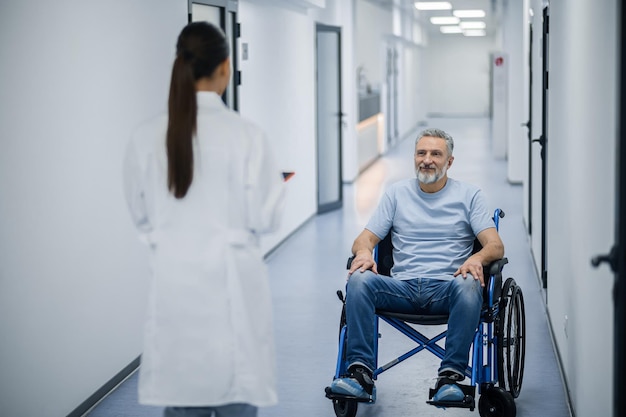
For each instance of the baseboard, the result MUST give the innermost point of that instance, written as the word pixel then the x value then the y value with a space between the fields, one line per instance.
pixel 277 246
pixel 105 389
pixel 436 115
pixel 559 360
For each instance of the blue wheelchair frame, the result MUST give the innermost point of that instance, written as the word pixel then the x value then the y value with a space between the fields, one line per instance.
pixel 483 371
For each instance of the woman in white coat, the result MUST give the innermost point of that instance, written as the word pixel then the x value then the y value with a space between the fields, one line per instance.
pixel 201 186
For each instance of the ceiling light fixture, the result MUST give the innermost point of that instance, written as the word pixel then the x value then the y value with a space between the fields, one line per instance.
pixel 473 25
pixel 450 29
pixel 433 5
pixel 474 32
pixel 469 13
pixel 444 20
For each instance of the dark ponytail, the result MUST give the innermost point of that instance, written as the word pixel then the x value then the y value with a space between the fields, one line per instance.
pixel 182 108
pixel 201 47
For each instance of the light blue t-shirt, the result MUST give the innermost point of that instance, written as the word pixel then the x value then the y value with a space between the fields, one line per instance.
pixel 432 233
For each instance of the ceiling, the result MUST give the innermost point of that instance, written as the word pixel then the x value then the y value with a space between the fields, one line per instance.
pixel 492 8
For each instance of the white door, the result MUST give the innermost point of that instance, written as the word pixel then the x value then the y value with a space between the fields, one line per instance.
pixel 392 95
pixel 329 114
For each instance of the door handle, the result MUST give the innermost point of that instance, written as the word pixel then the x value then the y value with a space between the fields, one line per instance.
pixel 341 119
pixel 541 140
pixel 610 258
pixel 527 124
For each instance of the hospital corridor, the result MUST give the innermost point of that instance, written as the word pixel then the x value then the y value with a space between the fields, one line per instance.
pixel 137 132
pixel 309 267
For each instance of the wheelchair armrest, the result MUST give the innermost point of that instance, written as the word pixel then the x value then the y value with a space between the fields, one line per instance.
pixel 350 259
pixel 495 268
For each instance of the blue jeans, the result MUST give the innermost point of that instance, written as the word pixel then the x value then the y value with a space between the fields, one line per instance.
pixel 460 298
pixel 229 410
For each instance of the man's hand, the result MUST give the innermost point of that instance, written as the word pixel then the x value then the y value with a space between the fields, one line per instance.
pixel 492 250
pixel 472 266
pixel 362 250
pixel 363 261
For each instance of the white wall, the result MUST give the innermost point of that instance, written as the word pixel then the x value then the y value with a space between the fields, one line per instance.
pixel 372 24
pixel 342 13
pixel 412 99
pixel 76 77
pixel 581 184
pixel 392 26
pixel 515 36
pixel 458 73
pixel 278 93
pixel 409 40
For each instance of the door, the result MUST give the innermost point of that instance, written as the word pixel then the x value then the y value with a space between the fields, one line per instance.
pixel 538 164
pixel 616 258
pixel 617 253
pixel 542 142
pixel 329 117
pixel 529 127
pixel 222 13
pixel 392 95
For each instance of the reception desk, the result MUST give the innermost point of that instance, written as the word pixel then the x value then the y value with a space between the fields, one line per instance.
pixel 369 105
pixel 370 129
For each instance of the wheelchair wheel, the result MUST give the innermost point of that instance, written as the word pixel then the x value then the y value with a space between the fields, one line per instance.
pixel 496 402
pixel 511 333
pixel 345 408
pixel 344 346
pixel 342 320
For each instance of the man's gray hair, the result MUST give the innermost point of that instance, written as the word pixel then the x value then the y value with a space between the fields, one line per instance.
pixel 437 133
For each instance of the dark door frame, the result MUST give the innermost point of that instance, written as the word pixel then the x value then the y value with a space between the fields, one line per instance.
pixel 543 142
pixel 529 125
pixel 619 260
pixel 228 17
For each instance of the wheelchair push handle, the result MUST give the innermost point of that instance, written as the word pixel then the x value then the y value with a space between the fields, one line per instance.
pixel 497 215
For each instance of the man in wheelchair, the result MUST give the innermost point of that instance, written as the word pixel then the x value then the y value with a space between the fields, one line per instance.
pixel 433 221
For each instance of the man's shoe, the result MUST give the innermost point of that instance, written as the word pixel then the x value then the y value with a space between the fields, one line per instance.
pixel 359 384
pixel 449 392
pixel 447 388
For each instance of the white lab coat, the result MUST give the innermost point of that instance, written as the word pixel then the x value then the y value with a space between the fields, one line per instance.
pixel 208 336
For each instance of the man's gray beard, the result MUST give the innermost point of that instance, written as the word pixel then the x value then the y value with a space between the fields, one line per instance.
pixel 430 178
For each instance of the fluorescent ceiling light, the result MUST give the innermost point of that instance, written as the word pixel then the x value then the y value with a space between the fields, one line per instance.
pixel 473 25
pixel 444 20
pixel 450 29
pixel 433 5
pixel 469 13
pixel 474 32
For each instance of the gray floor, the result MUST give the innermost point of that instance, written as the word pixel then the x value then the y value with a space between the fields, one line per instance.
pixel 309 267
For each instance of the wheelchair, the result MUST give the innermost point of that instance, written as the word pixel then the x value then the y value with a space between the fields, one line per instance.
pixel 497 361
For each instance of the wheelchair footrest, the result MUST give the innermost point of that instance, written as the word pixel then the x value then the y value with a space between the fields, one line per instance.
pixel 467 402
pixel 334 396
